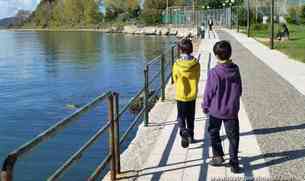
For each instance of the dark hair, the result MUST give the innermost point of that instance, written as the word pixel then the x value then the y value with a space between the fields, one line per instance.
pixel 186 46
pixel 223 50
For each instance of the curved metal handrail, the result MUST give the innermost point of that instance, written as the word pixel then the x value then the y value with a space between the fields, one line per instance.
pixel 113 124
pixel 9 163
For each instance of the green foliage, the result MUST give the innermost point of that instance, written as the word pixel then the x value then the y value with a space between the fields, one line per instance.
pixel 294 15
pixel 153 10
pixel 217 3
pixel 303 14
pixel 151 16
pixel 57 15
pixel 43 14
pixel 133 8
pixel 66 13
pixel 91 12
pixel 260 27
pixel 73 12
pixel 122 9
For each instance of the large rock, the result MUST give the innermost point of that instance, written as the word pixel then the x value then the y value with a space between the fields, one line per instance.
pixel 131 29
pixel 173 31
pixel 116 29
pixel 164 31
pixel 149 30
pixel 139 31
pixel 185 32
pixel 159 31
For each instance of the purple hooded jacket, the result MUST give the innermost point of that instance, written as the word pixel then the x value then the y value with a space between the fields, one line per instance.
pixel 222 92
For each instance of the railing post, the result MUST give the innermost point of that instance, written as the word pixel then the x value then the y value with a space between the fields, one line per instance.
pixel 146 95
pixel 162 68
pixel 113 172
pixel 7 169
pixel 172 62
pixel 116 132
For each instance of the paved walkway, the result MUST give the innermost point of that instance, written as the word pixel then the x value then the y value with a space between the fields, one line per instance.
pixel 169 161
pixel 272 122
pixel 273 99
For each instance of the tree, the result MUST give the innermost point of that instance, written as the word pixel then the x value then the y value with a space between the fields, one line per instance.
pixel 43 14
pixel 91 12
pixel 57 17
pixel 153 9
pixel 133 8
pixel 117 6
pixel 73 12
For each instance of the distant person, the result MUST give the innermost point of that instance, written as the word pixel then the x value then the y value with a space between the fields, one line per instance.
pixel 221 102
pixel 211 24
pixel 186 73
pixel 202 31
pixel 284 33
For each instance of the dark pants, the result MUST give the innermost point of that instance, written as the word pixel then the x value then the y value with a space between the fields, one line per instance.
pixel 210 27
pixel 186 116
pixel 232 131
pixel 202 33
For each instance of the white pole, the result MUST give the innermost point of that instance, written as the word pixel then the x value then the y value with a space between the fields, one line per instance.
pixel 166 11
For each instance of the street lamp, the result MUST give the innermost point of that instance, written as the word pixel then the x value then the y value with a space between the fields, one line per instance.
pixel 248 18
pixel 206 7
pixel 230 3
pixel 272 25
pixel 166 11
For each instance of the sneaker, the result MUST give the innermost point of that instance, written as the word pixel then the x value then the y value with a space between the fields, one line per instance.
pixel 185 139
pixel 217 161
pixel 235 168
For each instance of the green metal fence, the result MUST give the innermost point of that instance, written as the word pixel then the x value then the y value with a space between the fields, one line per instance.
pixel 188 17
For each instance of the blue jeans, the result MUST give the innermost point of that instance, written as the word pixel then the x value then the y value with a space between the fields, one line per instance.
pixel 232 131
pixel 186 116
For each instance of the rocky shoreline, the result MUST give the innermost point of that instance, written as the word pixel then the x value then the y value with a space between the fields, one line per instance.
pixel 162 31
pixel 130 29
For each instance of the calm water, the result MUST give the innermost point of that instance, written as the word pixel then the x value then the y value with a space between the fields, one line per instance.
pixel 40 73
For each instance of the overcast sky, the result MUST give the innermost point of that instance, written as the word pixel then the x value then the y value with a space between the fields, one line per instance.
pixel 9 8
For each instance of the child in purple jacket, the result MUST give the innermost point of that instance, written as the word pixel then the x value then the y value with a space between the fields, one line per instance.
pixel 221 102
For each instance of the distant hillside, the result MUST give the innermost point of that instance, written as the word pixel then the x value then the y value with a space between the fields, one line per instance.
pixel 65 13
pixel 17 20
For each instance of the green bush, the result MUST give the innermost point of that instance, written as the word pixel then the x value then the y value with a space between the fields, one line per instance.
pixel 294 15
pixel 260 27
pixel 151 16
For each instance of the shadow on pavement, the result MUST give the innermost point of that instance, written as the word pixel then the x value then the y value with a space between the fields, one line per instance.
pixel 263 131
pixel 271 159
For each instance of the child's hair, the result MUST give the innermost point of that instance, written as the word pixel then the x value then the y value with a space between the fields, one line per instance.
pixel 223 50
pixel 186 46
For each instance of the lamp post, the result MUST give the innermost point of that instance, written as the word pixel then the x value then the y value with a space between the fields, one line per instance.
pixel 206 7
pixel 230 3
pixel 248 18
pixel 272 25
pixel 166 11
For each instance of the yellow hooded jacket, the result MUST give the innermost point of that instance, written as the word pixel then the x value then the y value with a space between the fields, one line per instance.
pixel 186 74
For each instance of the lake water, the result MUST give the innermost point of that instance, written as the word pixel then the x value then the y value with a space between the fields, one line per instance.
pixel 42 72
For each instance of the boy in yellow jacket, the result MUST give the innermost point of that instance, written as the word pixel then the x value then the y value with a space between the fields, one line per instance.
pixel 186 73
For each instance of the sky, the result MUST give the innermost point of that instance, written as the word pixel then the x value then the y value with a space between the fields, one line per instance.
pixel 9 8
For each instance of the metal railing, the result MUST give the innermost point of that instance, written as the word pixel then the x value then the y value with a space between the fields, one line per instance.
pixel 112 124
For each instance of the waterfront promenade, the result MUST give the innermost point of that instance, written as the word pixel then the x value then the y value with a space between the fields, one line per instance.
pixel 272 123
